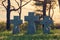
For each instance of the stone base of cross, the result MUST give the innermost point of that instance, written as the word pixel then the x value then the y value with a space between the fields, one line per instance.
pixel 46 24
pixel 31 28
pixel 17 21
pixel 31 18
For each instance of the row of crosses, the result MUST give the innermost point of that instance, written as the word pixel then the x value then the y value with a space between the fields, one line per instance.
pixel 31 19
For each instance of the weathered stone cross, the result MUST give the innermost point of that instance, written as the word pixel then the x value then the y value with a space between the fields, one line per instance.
pixel 17 21
pixel 46 22
pixel 31 18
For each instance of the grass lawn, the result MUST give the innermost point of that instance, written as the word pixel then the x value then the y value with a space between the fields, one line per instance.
pixel 7 35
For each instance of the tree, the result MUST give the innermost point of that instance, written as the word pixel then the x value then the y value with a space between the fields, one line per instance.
pixel 8 10
pixel 59 2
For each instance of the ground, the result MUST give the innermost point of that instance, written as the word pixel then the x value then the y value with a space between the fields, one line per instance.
pixel 54 35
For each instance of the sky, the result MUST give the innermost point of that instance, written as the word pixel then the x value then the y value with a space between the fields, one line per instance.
pixel 28 8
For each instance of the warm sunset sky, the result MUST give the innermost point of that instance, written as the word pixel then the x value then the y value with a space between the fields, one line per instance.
pixel 28 8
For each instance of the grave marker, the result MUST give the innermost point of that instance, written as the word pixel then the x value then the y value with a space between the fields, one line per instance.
pixel 46 21
pixel 17 21
pixel 31 18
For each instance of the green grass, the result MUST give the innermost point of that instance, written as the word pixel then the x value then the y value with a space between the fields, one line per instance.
pixel 7 35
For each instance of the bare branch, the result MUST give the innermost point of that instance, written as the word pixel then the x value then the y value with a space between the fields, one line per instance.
pixel 20 6
pixel 15 9
pixel 17 2
pixel 12 6
pixel 3 3
pixel 26 3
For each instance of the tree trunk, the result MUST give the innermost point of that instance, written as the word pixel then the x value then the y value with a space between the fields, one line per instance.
pixel 20 8
pixel 44 8
pixel 44 12
pixel 59 2
pixel 8 16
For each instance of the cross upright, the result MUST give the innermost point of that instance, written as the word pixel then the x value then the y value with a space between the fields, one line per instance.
pixel 17 21
pixel 31 18
pixel 46 22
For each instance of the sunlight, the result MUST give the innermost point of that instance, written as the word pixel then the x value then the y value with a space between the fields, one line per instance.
pixel 56 13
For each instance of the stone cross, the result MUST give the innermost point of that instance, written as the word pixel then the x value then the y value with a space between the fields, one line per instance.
pixel 31 18
pixel 17 21
pixel 46 22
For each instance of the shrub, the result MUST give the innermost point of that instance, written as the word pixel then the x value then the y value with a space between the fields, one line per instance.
pixel 2 26
pixel 23 27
